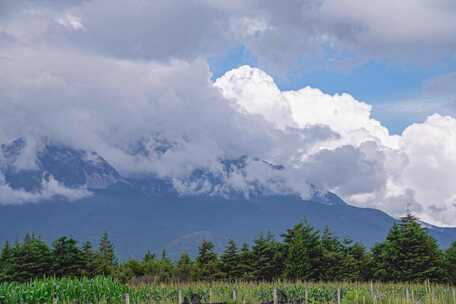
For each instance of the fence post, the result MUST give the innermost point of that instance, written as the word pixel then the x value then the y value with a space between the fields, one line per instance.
pixel 275 299
pixel 210 296
pixel 373 296
pixel 407 296
pixel 180 298
pixel 234 295
pixel 126 298
pixel 338 295
pixel 306 296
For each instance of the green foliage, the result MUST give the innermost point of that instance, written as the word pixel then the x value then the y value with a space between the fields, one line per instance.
pixel 408 254
pixel 67 259
pixel 230 262
pixel 106 290
pixel 303 253
pixel 184 268
pixel 207 264
pixel 267 258
pixel 450 263
pixel 105 258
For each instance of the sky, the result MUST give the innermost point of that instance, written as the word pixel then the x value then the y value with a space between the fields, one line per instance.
pixel 352 98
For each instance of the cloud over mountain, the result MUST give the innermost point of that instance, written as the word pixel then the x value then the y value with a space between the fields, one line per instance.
pixel 132 84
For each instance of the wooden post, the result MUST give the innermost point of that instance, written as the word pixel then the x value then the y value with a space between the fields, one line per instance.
pixel 275 298
pixel 306 296
pixel 210 296
pixel 180 298
pixel 407 295
pixel 234 295
pixel 126 298
pixel 374 298
pixel 338 295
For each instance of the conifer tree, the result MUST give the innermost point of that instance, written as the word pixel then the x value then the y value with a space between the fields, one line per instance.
pixel 333 256
pixel 5 262
pixel 450 263
pixel 230 262
pixel 245 263
pixel 184 268
pixel 105 257
pixel 67 258
pixel 148 256
pixel 31 259
pixel 165 271
pixel 89 258
pixel 303 253
pixel 267 257
pixel 207 265
pixel 408 254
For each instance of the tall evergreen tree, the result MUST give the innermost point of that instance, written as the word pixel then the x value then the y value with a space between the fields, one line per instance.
pixel 31 259
pixel 5 262
pixel 184 268
pixel 67 258
pixel 245 263
pixel 408 254
pixel 207 264
pixel 89 258
pixel 303 253
pixel 331 266
pixel 450 263
pixel 105 258
pixel 355 261
pixel 230 262
pixel 165 269
pixel 267 257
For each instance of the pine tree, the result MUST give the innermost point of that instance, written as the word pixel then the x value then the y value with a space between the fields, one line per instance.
pixel 105 258
pixel 408 254
pixel 184 268
pixel 67 258
pixel 450 263
pixel 245 263
pixel 230 261
pixel 267 257
pixel 30 260
pixel 303 253
pixel 89 258
pixel 165 271
pixel 332 259
pixel 5 262
pixel 148 256
pixel 355 261
pixel 207 264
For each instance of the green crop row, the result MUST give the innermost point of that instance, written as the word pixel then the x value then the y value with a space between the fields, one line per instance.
pixel 106 290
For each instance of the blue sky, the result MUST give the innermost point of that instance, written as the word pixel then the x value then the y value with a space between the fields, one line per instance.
pixel 377 82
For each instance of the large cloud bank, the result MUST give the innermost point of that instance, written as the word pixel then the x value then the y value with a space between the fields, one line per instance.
pixel 132 83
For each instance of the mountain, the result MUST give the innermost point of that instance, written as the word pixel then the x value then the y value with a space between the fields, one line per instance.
pixel 147 212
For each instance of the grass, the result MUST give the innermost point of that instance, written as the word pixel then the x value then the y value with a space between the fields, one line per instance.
pixel 106 290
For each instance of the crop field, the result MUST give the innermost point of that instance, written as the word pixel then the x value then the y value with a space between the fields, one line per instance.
pixel 105 290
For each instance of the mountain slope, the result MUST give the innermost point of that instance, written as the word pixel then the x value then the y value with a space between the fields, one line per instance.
pixel 138 222
pixel 148 213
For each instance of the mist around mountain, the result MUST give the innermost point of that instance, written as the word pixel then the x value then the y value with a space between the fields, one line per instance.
pixel 143 213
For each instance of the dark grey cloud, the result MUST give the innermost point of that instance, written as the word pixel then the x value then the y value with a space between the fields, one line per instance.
pixel 281 35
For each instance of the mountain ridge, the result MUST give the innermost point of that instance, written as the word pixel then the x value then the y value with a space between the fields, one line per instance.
pixel 147 212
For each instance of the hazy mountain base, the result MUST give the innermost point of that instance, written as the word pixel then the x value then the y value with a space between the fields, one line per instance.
pixel 136 221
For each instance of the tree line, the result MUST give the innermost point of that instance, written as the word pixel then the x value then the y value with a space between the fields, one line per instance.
pixel 408 253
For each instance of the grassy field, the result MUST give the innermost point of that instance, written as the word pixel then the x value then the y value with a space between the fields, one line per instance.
pixel 105 290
